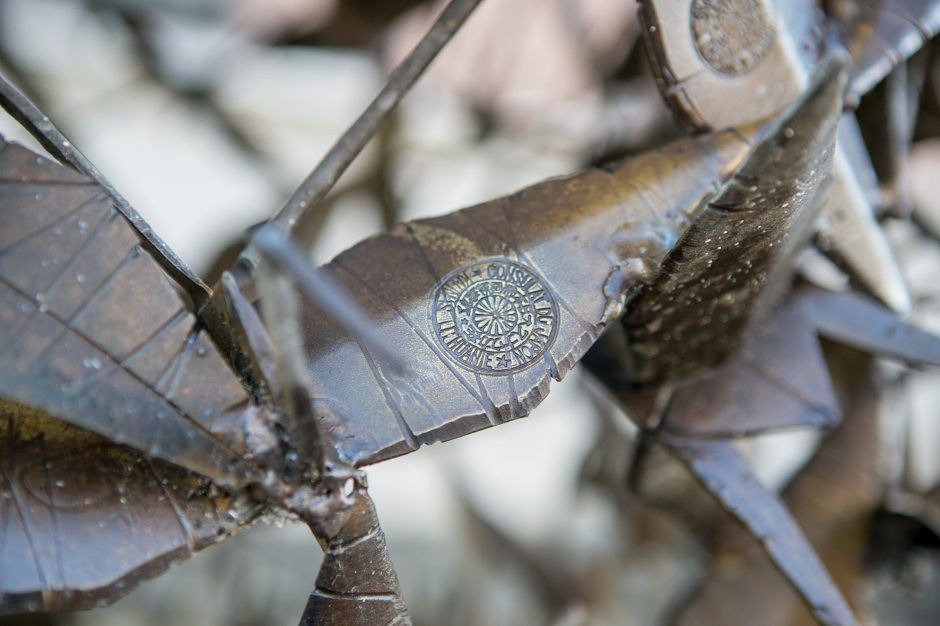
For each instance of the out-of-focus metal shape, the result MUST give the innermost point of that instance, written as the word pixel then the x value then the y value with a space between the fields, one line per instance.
pixel 768 77
pixel 83 520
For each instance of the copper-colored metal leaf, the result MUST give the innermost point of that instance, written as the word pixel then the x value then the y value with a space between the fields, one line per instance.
pixel 82 520
pixel 488 304
pixel 732 265
pixel 95 334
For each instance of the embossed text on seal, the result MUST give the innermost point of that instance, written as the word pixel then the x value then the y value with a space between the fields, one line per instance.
pixel 494 316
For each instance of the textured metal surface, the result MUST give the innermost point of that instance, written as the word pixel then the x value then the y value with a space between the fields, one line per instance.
pixel 82 520
pixel 779 380
pixel 146 376
pixel 494 316
pixel 94 332
pixel 707 53
pixel 732 36
pixel 712 307
pixel 730 266
pixel 42 128
pixel 831 499
pixel 486 306
pixel 855 321
pixel 585 240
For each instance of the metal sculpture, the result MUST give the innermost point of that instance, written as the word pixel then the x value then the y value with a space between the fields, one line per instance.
pixel 144 425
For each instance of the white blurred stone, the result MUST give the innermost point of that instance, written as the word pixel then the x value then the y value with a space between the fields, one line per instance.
pixel 295 103
pixel 75 59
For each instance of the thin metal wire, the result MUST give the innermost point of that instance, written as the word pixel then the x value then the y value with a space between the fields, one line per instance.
pixel 322 179
pixel 38 124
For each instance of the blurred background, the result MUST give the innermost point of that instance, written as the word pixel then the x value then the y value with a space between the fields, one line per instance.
pixel 207 113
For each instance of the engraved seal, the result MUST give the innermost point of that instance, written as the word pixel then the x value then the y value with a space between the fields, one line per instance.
pixel 732 36
pixel 494 316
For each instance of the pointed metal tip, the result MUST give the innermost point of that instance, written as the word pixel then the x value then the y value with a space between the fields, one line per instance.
pixel 826 91
pixel 855 321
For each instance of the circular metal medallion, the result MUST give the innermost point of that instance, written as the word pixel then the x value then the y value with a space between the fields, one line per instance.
pixel 494 316
pixel 732 36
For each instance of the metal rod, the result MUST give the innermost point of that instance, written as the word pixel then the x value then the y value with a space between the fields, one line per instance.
pixel 322 179
pixel 324 291
pixel 38 124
